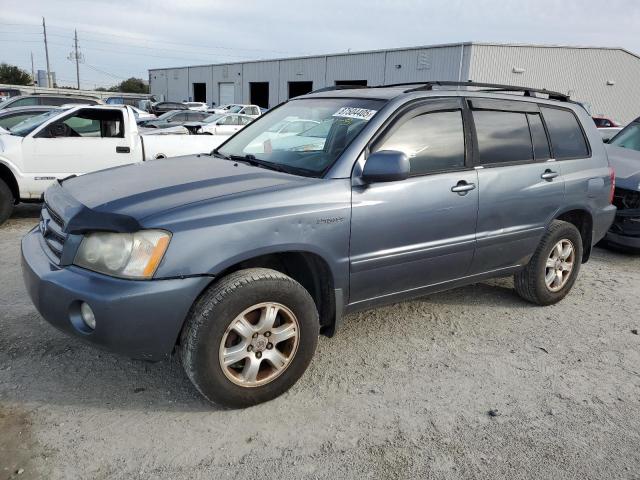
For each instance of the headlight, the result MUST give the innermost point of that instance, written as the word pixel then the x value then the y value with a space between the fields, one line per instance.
pixel 126 255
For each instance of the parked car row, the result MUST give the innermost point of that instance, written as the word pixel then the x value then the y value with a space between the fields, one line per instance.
pixel 71 140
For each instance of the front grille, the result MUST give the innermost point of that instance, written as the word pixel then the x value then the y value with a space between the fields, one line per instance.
pixel 625 199
pixel 52 230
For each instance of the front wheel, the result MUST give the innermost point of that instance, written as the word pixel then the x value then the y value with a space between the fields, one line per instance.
pixel 250 337
pixel 554 267
pixel 6 202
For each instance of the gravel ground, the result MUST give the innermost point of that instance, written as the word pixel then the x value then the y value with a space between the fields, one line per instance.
pixel 403 391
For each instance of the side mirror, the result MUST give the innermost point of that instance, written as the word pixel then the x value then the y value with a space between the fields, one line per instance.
pixel 386 166
pixel 57 130
pixel 606 140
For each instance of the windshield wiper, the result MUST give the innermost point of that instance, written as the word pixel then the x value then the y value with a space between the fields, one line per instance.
pixel 215 153
pixel 252 160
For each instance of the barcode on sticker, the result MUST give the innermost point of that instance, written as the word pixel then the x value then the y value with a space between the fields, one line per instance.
pixel 353 112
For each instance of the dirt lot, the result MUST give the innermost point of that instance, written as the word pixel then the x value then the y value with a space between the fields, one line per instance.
pixel 403 391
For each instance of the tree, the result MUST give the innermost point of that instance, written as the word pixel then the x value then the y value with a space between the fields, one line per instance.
pixel 13 75
pixel 131 85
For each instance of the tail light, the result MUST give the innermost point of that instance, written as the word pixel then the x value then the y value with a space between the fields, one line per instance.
pixel 612 175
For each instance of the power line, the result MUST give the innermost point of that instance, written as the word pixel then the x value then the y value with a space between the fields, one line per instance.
pixel 119 36
pixel 183 55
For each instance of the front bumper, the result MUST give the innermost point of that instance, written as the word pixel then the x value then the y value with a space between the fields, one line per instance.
pixel 140 319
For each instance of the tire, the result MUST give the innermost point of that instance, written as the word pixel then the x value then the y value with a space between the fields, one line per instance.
pixel 214 319
pixel 6 202
pixel 531 281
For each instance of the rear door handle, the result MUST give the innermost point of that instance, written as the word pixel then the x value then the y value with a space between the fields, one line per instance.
pixel 123 150
pixel 463 187
pixel 549 174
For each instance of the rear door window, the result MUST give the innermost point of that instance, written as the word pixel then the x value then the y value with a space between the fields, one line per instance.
pixel 24 102
pixel 565 133
pixel 503 137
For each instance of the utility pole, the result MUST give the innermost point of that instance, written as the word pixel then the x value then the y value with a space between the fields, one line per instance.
pixel 77 58
pixel 46 52
pixel 33 71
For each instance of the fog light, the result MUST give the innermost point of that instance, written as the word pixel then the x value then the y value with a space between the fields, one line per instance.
pixel 88 316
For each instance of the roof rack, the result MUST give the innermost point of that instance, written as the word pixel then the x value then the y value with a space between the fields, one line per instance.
pixel 338 87
pixel 489 87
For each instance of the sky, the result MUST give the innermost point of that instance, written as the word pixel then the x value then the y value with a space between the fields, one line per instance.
pixel 123 38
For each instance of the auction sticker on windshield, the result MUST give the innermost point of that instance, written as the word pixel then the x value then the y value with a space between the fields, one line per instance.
pixel 354 112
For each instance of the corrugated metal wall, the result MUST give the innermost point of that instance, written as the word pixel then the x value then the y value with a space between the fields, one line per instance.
pixel 581 72
pixel 201 75
pixel 377 68
pixel 261 72
pixel 442 63
pixel 360 66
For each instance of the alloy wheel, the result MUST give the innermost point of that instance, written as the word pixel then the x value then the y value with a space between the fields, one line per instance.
pixel 559 265
pixel 259 344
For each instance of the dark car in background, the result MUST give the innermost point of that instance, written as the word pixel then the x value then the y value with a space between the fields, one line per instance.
pixel 605 122
pixel 12 116
pixel 164 107
pixel 54 100
pixel 174 118
pixel 624 155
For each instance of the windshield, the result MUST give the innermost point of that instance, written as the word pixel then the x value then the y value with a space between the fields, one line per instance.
pixel 166 115
pixel 629 137
pixel 234 109
pixel 212 118
pixel 25 127
pixel 333 122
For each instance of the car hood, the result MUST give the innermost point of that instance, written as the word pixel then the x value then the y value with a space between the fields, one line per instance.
pixel 148 188
pixel 626 163
pixel 8 142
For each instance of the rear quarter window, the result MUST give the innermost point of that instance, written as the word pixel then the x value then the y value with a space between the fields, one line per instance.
pixel 567 138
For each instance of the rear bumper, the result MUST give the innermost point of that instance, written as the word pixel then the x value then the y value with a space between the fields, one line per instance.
pixel 625 231
pixel 623 240
pixel 140 319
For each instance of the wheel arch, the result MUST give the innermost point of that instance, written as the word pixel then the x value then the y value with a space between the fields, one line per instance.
pixel 308 268
pixel 582 219
pixel 7 175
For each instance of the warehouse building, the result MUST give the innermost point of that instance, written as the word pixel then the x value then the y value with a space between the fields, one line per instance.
pixel 606 80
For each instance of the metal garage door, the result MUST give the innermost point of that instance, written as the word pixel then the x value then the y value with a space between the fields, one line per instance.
pixel 227 93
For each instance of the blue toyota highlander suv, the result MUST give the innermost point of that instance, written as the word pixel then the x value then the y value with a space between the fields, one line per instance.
pixel 239 258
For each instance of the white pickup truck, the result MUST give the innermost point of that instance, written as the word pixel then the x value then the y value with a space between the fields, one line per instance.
pixel 78 140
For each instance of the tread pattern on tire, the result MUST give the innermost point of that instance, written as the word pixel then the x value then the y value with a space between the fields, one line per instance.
pixel 525 280
pixel 6 201
pixel 214 296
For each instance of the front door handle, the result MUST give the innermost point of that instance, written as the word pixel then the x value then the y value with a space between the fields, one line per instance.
pixel 462 188
pixel 123 150
pixel 549 175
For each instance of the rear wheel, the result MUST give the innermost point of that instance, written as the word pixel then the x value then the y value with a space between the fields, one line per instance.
pixel 554 267
pixel 250 337
pixel 7 201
